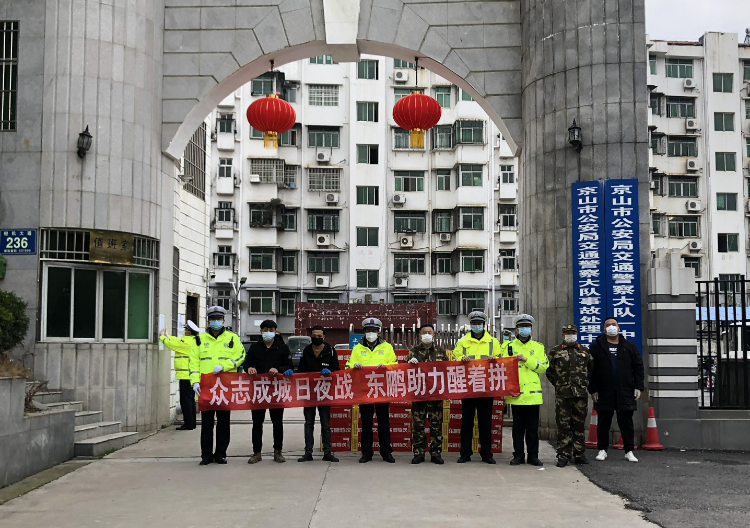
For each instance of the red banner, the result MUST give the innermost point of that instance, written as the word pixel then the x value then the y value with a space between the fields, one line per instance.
pixel 439 380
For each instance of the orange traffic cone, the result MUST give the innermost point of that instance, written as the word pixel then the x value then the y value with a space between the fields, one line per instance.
pixel 592 443
pixel 652 433
pixel 620 445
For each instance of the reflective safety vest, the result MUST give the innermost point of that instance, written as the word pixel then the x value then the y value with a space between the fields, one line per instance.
pixel 209 351
pixel 482 348
pixel 382 353
pixel 182 347
pixel 528 371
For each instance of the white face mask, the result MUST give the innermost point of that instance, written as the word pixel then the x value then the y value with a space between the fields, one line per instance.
pixel 371 336
pixel 427 339
pixel 611 331
pixel 570 338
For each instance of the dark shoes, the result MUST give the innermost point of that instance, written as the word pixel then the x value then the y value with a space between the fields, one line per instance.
pixel 562 462
pixel 418 459
pixel 183 428
pixel 517 461
pixel 328 457
pixel 365 458
pixel 307 457
pixel 436 459
pixel 489 460
pixel 581 460
pixel 220 460
pixel 206 461
pixel 389 458
pixel 464 459
pixel 534 461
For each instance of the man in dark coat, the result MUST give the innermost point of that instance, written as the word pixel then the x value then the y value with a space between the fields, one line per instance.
pixel 615 386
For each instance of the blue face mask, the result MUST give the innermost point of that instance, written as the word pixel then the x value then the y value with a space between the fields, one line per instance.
pixel 268 336
pixel 216 324
pixel 477 329
pixel 524 331
pixel 506 338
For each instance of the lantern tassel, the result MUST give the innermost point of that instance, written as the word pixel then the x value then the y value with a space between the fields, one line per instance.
pixel 416 138
pixel 270 140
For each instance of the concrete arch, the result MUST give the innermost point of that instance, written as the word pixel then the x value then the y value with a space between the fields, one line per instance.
pixel 213 47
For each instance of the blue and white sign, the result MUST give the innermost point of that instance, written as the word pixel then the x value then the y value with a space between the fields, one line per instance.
pixel 354 339
pixel 18 241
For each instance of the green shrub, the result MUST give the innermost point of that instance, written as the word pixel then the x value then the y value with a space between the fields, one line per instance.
pixel 14 323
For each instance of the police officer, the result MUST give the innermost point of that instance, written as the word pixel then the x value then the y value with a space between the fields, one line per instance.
pixel 182 346
pixel 372 350
pixel 477 344
pixel 570 370
pixel 427 350
pixel 508 335
pixel 531 362
pixel 217 350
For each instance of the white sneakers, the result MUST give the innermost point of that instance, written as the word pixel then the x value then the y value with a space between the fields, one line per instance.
pixel 630 457
pixel 602 455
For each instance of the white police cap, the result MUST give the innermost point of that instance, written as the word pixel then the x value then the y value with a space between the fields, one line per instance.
pixel 477 315
pixel 372 322
pixel 193 327
pixel 216 311
pixel 523 318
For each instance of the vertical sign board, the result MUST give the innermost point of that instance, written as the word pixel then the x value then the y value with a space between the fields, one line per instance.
pixel 589 301
pixel 623 257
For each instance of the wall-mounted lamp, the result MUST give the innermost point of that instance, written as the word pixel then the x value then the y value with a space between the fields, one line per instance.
pixel 185 178
pixel 84 142
pixel 574 136
pixel 243 280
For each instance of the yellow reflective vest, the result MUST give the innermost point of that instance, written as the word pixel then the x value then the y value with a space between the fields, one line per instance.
pixel 528 371
pixel 474 348
pixel 182 347
pixel 382 353
pixel 209 351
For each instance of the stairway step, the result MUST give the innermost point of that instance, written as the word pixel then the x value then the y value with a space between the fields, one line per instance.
pixel 48 397
pixel 92 430
pixel 66 405
pixel 99 445
pixel 88 417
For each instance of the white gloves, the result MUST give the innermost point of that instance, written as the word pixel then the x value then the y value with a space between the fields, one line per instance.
pixel 413 361
pixel 358 365
pixel 197 388
pixel 466 359
pixel 595 397
pixel 637 394
pixel 218 368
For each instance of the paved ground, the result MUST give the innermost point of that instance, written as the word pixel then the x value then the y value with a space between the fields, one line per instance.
pixel 158 482
pixel 680 489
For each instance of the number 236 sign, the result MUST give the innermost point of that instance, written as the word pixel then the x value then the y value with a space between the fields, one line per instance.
pixel 18 241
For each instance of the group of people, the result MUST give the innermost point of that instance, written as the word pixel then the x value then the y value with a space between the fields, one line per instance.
pixel 611 371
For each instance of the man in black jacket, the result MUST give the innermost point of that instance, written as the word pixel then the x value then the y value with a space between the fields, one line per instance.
pixel 268 355
pixel 616 385
pixel 321 357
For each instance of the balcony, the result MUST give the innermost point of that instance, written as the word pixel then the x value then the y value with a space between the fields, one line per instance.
pixel 508 191
pixel 224 224
pixel 223 267
pixel 507 278
pixel 506 234
pixel 226 185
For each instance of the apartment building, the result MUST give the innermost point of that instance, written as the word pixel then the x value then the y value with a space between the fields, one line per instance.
pixel 344 210
pixel 700 152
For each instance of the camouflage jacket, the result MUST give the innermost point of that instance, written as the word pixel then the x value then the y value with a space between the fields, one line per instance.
pixel 434 353
pixel 570 369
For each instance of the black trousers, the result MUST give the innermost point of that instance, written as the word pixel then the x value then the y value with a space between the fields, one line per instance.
pixel 624 421
pixel 483 409
pixel 325 428
pixel 277 419
pixel 187 403
pixel 366 412
pixel 207 434
pixel 526 424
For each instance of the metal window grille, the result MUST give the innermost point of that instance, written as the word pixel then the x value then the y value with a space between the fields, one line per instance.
pixel 8 74
pixel 62 244
pixel 323 95
pixel 195 163
pixel 146 252
pixel 269 170
pixel 324 179
pixel 291 173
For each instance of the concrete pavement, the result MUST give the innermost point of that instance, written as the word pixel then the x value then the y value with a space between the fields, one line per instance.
pixel 158 483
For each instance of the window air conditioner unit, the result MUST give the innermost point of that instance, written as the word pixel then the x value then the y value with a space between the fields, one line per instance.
pixel 691 124
pixel 399 198
pixel 692 165
pixel 445 237
pixel 324 240
pixel 368 298
pixel 332 198
pixel 321 281
pixel 401 283
pixel 407 241
pixel 401 76
pixel 695 245
pixel 323 157
pixel 688 84
pixel 652 185
pixel 255 178
pixel 693 206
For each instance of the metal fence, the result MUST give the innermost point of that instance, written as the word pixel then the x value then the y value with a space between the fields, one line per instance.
pixel 723 326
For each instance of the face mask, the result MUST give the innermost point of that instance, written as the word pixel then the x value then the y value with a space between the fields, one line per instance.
pixel 371 336
pixel 611 331
pixel 506 338
pixel 216 324
pixel 524 331
pixel 317 341
pixel 477 329
pixel 268 336
pixel 570 338
pixel 426 339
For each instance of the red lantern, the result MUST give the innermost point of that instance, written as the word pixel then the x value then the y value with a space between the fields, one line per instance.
pixel 273 116
pixel 417 112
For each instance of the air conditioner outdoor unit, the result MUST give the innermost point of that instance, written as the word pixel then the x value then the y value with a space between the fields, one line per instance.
pixel 407 241
pixel 255 178
pixel 323 157
pixel 445 237
pixel 695 245
pixel 692 165
pixel 332 198
pixel 693 206
pixel 399 198
pixel 652 185
pixel 691 124
pixel 401 283
pixel 688 84
pixel 368 298
pixel 321 281
pixel 401 76
pixel 324 240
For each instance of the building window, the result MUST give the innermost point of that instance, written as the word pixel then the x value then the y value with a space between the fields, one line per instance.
pixel 723 82
pixel 508 302
pixel 680 107
pixel 367 236
pixel 657 144
pixel 747 108
pixel 290 176
pixel 367 111
pixel 8 75
pixel 92 303
pixel 408 264
pixel 367 278
pixel 409 181
pixel 443 221
pixel 508 259
pixel 224 258
pixel 442 137
pixel 367 69
pixel 225 167
pixel 470 132
pixel 444 304
pixel 322 59
pixel 656 224
pixel 195 163
pixel 226 123
pixel 658 183
pixel 322 262
pixel 726 201
pixel 261 301
pixel 683 226
pixel 680 68
pixel 398 93
pixel 443 178
pixel 471 301
pixel 367 195
pixel 472 218
pixel 409 222
pixel 507 174
pixel 288 138
pixel 729 282
pixel 367 154
pixel 323 221
pixel 681 146
pixel 443 264
pixel 654 103
pixel 224 299
pixel 470 175
pixel 746 69
pixel 289 220
pixel 724 121
pixel 408 299
pixel 398 63
pixel 683 187
pixel 225 212
pixel 287 302
pixel 323 298
pixel 263 85
pixel 725 162
pixel 443 96
pixel 261 259
pixel 323 137
pixel 260 215
pixel 270 170
pixel 465 96
pixel 472 261
pixel 289 262
pixel 695 263
pixel 652 64
pixel 326 180
pixel 747 147
pixel 401 139
pixel 323 95
pixel 256 134
pixel 289 94
pixel 507 217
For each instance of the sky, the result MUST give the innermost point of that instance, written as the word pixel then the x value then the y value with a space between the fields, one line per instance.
pixel 690 19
